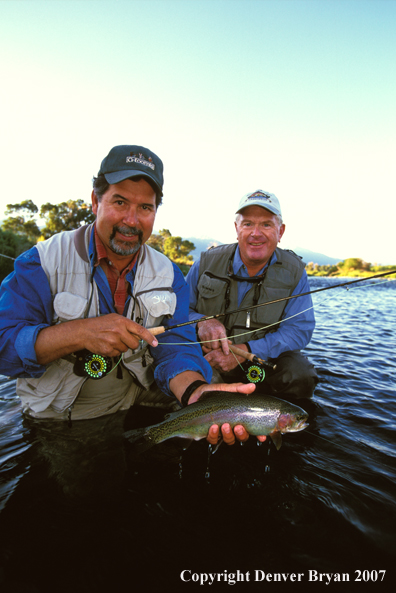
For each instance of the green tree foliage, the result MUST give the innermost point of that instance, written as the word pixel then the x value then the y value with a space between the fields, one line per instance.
pixel 354 263
pixel 352 267
pixel 157 241
pixel 65 216
pixel 177 249
pixel 11 245
pixel 23 223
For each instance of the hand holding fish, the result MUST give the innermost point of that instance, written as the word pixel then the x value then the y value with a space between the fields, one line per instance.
pixel 229 436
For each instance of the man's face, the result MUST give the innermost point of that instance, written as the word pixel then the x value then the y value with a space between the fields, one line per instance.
pixel 258 233
pixel 125 217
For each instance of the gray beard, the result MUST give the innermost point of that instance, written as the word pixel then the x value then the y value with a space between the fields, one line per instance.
pixel 122 247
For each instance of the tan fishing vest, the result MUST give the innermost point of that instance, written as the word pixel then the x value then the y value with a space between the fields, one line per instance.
pixel 65 261
pixel 218 293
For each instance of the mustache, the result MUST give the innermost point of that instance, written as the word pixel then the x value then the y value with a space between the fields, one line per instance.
pixel 128 231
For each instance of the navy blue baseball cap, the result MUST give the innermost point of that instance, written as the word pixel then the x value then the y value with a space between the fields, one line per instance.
pixel 127 161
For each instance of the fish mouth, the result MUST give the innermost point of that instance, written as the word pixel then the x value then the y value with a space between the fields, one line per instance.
pixel 300 425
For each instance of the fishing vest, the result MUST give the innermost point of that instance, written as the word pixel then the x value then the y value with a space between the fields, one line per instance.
pixel 65 261
pixel 218 293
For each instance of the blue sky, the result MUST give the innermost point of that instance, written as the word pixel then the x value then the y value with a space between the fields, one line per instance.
pixel 293 97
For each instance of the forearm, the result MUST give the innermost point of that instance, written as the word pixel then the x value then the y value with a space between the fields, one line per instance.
pixel 57 341
pixel 179 383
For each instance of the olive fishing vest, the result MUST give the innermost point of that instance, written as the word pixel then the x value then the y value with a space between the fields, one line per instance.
pixel 218 292
pixel 65 261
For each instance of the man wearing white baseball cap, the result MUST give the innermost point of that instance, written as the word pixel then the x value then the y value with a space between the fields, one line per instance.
pixel 247 273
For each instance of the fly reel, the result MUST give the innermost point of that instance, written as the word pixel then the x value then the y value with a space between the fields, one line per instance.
pixel 92 366
pixel 255 374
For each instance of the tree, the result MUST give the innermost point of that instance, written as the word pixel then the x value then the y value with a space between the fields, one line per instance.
pixel 23 224
pixel 65 216
pixel 355 263
pixel 173 247
pixel 177 250
pixel 11 245
pixel 157 241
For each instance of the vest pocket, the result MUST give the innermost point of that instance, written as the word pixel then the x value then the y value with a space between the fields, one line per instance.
pixel 210 287
pixel 156 304
pixel 68 306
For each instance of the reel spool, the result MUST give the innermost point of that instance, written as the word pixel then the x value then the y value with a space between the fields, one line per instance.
pixel 92 366
pixel 255 374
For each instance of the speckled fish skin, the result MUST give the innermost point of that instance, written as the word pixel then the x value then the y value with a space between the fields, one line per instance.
pixel 259 414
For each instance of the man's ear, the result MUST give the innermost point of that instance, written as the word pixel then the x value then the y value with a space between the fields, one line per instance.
pixel 94 202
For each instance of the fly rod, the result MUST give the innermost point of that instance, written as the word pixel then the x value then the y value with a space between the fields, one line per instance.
pixel 161 329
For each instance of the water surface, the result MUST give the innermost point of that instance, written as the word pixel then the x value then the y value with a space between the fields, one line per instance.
pixel 81 511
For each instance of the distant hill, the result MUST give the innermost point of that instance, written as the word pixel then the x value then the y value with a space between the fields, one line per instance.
pixel 202 245
pixel 306 254
pixel 316 258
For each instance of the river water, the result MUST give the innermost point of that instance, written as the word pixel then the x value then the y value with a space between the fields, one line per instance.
pixel 82 511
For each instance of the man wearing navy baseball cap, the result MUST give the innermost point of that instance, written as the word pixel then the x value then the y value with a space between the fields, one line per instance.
pixel 75 313
pixel 247 273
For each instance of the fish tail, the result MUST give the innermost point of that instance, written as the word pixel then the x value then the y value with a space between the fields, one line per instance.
pixel 140 438
pixel 135 434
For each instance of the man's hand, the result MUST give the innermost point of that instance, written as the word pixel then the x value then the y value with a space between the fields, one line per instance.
pixel 214 334
pixel 107 335
pixel 111 335
pixel 240 433
pixel 225 363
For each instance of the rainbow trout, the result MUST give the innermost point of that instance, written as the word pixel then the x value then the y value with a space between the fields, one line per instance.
pixel 259 414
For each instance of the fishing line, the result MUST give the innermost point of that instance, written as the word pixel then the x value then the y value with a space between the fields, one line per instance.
pixel 251 307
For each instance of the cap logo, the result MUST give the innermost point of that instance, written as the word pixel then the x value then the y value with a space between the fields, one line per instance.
pixel 141 159
pixel 260 194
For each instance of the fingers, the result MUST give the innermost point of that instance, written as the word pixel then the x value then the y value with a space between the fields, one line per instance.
pixel 213 333
pixel 112 334
pixel 141 333
pixel 225 347
pixel 218 360
pixel 213 434
pixel 229 435
pixel 245 388
pixel 241 434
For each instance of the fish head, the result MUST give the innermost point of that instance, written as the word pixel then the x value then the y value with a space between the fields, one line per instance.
pixel 293 422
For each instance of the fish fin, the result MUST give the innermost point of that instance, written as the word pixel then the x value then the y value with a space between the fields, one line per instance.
pixel 276 439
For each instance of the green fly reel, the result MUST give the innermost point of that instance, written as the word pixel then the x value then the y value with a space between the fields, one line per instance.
pixel 255 374
pixel 92 366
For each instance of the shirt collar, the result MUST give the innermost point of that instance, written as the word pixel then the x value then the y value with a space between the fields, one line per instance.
pixel 238 267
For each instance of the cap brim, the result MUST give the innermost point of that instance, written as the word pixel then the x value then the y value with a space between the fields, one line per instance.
pixel 270 208
pixel 119 176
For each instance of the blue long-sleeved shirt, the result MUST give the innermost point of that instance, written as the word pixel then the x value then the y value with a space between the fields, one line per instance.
pixel 292 334
pixel 26 308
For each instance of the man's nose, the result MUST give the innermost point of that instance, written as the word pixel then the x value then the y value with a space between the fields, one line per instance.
pixel 256 230
pixel 131 217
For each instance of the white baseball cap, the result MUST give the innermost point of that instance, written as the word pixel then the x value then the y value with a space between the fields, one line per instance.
pixel 261 198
